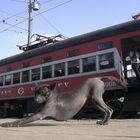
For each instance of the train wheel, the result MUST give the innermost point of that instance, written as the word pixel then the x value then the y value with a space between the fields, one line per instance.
pixel 117 108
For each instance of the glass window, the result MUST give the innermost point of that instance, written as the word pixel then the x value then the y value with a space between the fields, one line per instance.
pixel 25 76
pixel 1 80
pixel 72 53
pixel 105 45
pixel 8 79
pixel 106 61
pixel 47 59
pixel 36 74
pixel 16 78
pixel 26 64
pixel 89 64
pixel 59 69
pixel 73 67
pixel 7 69
pixel 46 72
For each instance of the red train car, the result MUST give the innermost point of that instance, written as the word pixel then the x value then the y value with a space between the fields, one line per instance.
pixel 68 63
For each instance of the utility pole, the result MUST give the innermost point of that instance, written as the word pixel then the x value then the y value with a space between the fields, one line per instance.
pixel 32 6
pixel 29 22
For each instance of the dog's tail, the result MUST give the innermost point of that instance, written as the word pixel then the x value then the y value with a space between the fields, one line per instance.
pixel 117 81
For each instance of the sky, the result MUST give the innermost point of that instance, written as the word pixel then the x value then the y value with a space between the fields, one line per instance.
pixel 67 17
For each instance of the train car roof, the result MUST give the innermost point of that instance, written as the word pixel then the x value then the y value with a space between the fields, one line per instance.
pixel 101 33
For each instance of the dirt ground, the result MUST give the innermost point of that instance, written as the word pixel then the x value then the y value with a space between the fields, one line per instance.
pixel 73 130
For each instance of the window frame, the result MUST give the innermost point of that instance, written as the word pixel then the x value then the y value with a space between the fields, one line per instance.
pixel 75 70
pixel 59 74
pixel 28 80
pixel 50 72
pixel 35 76
pixel 1 81
pixel 106 60
pixel 16 78
pixel 92 69
pixel 8 81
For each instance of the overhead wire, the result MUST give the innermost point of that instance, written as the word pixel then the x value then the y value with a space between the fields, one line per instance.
pixel 54 27
pixel 15 15
pixel 46 1
pixel 19 1
pixel 15 25
pixel 53 8
pixel 12 26
pixel 4 21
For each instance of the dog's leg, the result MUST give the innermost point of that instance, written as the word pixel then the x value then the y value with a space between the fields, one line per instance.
pixel 101 106
pixel 23 121
pixel 102 111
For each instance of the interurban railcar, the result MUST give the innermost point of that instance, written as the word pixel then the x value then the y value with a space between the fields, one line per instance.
pixel 69 62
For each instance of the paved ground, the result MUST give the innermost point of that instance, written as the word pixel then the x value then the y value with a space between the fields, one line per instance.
pixel 73 130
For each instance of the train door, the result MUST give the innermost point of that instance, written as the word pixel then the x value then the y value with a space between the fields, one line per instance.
pixel 127 45
pixel 131 104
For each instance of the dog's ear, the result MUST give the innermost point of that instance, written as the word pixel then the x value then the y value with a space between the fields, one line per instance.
pixel 52 86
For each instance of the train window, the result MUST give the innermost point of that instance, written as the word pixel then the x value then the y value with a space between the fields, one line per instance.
pixel 25 76
pixel 105 45
pixel 72 53
pixel 46 72
pixel 1 80
pixel 106 61
pixel 26 64
pixel 59 69
pixel 73 67
pixel 8 79
pixel 47 59
pixel 89 64
pixel 36 74
pixel 16 78
pixel 7 69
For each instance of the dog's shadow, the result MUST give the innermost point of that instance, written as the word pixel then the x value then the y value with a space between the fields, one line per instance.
pixel 40 124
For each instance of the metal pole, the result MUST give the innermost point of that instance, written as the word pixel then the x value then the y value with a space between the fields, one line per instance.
pixel 30 23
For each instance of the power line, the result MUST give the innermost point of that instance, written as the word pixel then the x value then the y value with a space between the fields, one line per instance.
pixel 46 1
pixel 54 27
pixel 53 8
pixel 12 26
pixel 37 15
pixel 19 1
pixel 15 15
pixel 4 22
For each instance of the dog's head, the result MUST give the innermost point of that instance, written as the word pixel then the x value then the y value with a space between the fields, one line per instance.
pixel 42 93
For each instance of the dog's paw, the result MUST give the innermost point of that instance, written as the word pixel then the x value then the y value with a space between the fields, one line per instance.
pixel 7 124
pixel 10 124
pixel 102 123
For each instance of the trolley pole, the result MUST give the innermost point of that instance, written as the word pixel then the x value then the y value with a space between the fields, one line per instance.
pixel 32 6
